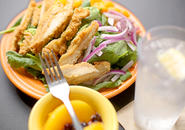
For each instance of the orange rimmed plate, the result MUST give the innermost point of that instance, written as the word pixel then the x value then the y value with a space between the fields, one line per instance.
pixel 35 88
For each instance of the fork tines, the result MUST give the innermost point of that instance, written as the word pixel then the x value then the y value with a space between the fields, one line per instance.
pixel 55 73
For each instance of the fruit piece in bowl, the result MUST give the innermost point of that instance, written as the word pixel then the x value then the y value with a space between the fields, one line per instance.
pixel 94 111
pixel 84 112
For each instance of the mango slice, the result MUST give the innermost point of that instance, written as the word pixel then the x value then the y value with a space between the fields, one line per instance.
pixel 60 116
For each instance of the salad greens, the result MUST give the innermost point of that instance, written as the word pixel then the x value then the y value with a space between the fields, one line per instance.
pixel 131 55
pixel 31 30
pixel 94 14
pixel 30 62
pixel 86 3
pixel 115 53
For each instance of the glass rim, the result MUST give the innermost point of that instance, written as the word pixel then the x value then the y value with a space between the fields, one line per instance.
pixel 157 28
pixel 164 27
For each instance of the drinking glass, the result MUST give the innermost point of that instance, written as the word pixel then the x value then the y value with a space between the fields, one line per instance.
pixel 160 82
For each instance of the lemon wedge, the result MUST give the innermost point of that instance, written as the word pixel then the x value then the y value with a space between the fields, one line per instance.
pixel 174 62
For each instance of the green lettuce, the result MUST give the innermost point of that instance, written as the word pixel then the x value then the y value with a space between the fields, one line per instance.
pixel 112 53
pixel 110 84
pixel 86 3
pixel 94 14
pixel 29 62
pixel 131 55
pixel 31 30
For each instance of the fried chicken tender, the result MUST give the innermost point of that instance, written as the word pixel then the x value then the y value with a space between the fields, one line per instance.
pixel 24 46
pixel 54 23
pixel 82 72
pixel 59 45
pixel 36 17
pixel 46 4
pixel 18 33
pixel 79 44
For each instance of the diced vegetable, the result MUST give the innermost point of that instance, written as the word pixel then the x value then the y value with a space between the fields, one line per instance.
pixel 112 72
pixel 110 84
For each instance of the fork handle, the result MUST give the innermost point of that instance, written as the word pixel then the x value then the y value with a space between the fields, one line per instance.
pixel 74 118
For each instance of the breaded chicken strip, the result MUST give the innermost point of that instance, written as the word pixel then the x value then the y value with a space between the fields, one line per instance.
pixel 18 33
pixel 82 72
pixel 103 67
pixel 35 17
pixel 24 46
pixel 79 44
pixel 57 19
pixel 46 4
pixel 59 45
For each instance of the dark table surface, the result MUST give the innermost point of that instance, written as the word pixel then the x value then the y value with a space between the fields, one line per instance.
pixel 15 106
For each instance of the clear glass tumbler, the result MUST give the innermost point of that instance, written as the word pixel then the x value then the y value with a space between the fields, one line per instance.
pixel 160 83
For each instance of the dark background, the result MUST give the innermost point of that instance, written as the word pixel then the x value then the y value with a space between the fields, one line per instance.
pixel 15 106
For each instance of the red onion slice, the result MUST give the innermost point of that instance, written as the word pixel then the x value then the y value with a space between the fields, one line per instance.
pixel 133 37
pixel 111 41
pixel 109 15
pixel 108 29
pixel 116 36
pixel 125 68
pixel 132 47
pixel 90 47
pixel 112 72
pixel 101 46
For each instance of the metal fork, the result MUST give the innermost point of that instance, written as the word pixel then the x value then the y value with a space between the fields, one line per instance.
pixel 58 86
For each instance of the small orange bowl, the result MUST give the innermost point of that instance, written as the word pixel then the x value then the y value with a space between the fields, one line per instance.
pixel 99 104
pixel 34 87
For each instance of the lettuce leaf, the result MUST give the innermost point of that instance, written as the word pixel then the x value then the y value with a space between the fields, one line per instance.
pixel 94 14
pixel 110 84
pixel 31 30
pixel 131 55
pixel 112 53
pixel 86 3
pixel 28 61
